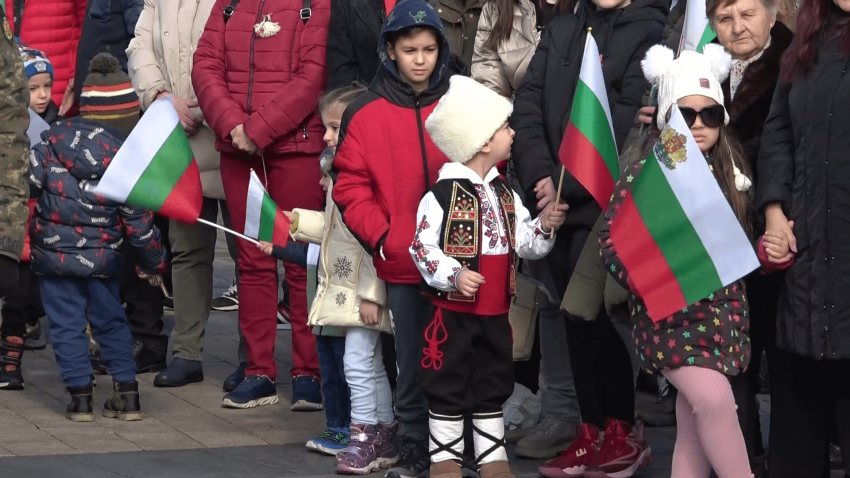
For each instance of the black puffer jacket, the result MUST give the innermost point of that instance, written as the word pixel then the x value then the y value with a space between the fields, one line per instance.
pixel 542 105
pixel 803 165
pixel 74 232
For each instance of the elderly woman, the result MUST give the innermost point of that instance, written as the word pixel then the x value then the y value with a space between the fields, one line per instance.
pixel 159 59
pixel 749 31
pixel 803 171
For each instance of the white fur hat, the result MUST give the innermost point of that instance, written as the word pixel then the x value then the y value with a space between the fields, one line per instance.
pixel 466 118
pixel 691 74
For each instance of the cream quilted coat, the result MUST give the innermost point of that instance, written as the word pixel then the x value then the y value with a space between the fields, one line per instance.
pixel 502 70
pixel 346 272
pixel 160 59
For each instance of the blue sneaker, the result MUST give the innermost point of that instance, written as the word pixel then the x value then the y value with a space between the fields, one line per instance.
pixel 306 394
pixel 330 441
pixel 254 391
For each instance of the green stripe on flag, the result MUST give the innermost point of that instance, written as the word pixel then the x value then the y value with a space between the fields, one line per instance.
pixel 708 35
pixel 588 116
pixel 163 171
pixel 268 213
pixel 671 229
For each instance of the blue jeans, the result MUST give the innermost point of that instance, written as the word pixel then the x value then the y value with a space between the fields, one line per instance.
pixel 69 302
pixel 334 388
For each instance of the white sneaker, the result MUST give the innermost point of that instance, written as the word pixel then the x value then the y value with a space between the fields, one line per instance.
pixel 521 412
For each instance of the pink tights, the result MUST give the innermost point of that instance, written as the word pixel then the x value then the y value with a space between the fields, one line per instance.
pixel 708 434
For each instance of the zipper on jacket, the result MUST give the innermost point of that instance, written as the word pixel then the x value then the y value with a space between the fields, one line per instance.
pixel 251 57
pixel 422 143
pixel 306 134
pixel 292 52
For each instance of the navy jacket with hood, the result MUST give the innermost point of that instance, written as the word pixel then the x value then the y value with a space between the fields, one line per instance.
pixel 385 160
pixel 75 232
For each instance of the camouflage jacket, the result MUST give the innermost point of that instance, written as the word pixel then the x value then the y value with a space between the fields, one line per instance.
pixel 14 121
pixel 75 232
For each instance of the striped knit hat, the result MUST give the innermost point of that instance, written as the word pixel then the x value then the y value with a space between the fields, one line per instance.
pixel 108 96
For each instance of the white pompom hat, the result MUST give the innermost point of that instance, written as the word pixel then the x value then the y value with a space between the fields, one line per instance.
pixel 691 74
pixel 466 118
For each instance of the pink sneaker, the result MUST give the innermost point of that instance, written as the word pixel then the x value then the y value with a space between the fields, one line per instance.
pixel 575 460
pixel 359 458
pixel 624 451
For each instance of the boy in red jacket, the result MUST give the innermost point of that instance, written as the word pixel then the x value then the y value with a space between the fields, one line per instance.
pixel 386 162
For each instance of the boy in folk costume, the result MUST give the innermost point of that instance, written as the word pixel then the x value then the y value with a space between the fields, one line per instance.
pixel 467 259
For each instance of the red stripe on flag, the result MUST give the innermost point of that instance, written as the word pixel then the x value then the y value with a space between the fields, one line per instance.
pixel 583 161
pixel 647 267
pixel 186 198
pixel 281 229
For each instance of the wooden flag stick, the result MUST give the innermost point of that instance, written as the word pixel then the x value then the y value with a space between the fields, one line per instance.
pixel 229 231
pixel 560 185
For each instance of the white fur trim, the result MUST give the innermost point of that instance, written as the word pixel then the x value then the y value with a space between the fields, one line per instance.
pixel 466 118
pixel 657 62
pixel 720 59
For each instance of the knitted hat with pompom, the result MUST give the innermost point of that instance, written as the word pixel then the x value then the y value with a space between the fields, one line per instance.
pixel 108 96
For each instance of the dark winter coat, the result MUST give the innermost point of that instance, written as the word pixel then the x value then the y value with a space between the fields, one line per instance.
pixel 542 105
pixel 270 85
pixel 353 41
pixel 75 232
pixel 108 27
pixel 386 160
pixel 460 23
pixel 803 166
pixel 711 333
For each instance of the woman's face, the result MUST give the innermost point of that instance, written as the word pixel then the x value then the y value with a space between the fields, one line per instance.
pixel 612 4
pixel 705 137
pixel 743 27
pixel 41 87
pixel 843 5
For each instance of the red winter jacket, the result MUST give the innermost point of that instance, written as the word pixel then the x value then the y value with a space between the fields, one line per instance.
pixel 54 27
pixel 270 85
pixel 381 174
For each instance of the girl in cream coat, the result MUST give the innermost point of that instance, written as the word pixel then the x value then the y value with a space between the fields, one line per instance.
pixel 160 66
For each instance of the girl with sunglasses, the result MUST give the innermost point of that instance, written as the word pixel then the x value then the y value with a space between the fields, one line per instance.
pixel 699 348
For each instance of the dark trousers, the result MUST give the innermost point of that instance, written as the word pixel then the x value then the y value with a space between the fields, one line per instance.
pixel 467 363
pixel 809 398
pixel 527 372
pixel 22 304
pixel 602 370
pixel 144 301
pixel 69 303
pixel 334 387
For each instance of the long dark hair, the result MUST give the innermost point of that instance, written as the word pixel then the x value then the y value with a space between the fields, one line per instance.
pixel 504 23
pixel 725 156
pixel 815 18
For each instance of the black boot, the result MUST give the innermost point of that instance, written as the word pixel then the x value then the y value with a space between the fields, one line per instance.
pixel 149 356
pixel 80 410
pixel 11 353
pixel 181 372
pixel 124 404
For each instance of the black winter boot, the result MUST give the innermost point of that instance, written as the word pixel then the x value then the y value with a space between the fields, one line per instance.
pixel 80 410
pixel 124 404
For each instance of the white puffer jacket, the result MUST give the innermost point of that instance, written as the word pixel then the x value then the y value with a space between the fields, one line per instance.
pixel 346 272
pixel 160 59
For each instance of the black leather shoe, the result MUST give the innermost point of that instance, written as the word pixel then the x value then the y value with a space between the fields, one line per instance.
pixel 235 378
pixel 181 372
pixel 149 357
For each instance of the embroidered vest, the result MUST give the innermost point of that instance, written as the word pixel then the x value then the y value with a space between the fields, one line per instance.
pixel 462 227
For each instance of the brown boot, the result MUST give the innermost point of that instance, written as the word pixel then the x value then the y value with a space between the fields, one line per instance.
pixel 495 469
pixel 446 469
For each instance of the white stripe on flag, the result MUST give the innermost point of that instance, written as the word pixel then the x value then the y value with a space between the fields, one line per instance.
pixel 313 254
pixel 706 207
pixel 138 150
pixel 591 75
pixel 696 21
pixel 254 206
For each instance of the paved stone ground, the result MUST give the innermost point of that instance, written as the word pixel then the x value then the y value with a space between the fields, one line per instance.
pixel 185 431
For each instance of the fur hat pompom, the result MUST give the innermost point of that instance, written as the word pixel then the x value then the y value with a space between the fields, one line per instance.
pixel 658 61
pixel 466 118
pixel 104 63
pixel 720 59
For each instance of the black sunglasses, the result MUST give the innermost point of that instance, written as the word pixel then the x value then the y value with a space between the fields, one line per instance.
pixel 712 116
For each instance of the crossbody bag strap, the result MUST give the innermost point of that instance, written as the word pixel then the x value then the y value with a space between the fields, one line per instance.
pixel 306 12
pixel 228 10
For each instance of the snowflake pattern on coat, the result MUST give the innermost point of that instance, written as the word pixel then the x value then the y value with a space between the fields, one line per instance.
pixel 343 267
pixel 340 299
pixel 711 333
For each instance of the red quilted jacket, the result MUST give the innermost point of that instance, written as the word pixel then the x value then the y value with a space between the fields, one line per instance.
pixel 271 85
pixel 54 27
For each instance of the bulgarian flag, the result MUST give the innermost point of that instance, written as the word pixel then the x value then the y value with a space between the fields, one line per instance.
pixel 675 231
pixel 588 150
pixel 263 219
pixel 697 32
pixel 155 168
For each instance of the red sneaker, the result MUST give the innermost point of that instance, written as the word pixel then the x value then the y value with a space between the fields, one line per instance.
pixel 624 450
pixel 573 461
